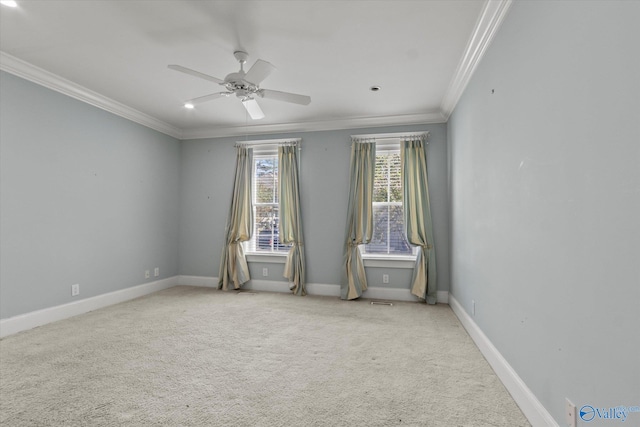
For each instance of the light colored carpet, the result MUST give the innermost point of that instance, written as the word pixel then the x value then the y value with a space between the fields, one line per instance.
pixel 201 357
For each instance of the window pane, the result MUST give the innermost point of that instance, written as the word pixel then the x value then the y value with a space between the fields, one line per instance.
pixel 395 178
pixel 380 179
pixel 398 243
pixel 387 184
pixel 388 235
pixel 266 180
pixel 266 235
pixel 266 220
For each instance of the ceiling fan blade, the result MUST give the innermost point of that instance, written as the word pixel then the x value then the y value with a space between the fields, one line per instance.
pixel 195 73
pixel 260 71
pixel 253 109
pixel 285 96
pixel 206 98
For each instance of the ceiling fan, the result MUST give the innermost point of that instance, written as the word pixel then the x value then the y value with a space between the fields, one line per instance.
pixel 245 86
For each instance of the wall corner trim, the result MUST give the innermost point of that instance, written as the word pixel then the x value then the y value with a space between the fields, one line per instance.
pixel 491 17
pixel 42 77
pixel 23 322
pixel 523 396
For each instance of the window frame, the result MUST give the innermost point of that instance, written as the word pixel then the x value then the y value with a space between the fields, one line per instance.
pixel 389 260
pixel 260 148
pixel 251 247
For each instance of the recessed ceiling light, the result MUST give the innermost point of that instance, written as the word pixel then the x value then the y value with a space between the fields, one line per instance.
pixel 10 3
pixel 374 88
pixel 189 106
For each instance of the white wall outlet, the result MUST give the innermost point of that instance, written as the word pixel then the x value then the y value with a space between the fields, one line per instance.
pixel 265 272
pixel 147 274
pixel 75 290
pixel 570 413
pixel 473 307
pixel 385 278
pixel 156 272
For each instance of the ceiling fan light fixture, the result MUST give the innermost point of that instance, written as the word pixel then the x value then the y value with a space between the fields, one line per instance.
pixel 253 108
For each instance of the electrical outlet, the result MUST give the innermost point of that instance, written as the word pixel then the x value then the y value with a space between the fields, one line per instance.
pixel 265 272
pixel 570 413
pixel 75 290
pixel 147 274
pixel 473 307
pixel 385 278
pixel 156 272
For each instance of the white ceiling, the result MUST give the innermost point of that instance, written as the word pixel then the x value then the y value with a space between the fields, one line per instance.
pixel 114 54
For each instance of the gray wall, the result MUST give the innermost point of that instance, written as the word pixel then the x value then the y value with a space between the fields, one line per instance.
pixel 545 200
pixel 207 172
pixel 87 197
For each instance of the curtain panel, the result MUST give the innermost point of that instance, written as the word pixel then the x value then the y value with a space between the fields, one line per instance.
pixel 233 264
pixel 291 218
pixel 417 218
pixel 359 217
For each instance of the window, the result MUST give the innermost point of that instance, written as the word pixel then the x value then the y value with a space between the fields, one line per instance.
pixel 388 221
pixel 265 204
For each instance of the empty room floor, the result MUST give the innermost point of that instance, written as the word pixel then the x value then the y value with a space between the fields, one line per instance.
pixel 201 357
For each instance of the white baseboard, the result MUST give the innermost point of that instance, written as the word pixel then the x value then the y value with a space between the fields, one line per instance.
pixel 200 281
pixel 323 289
pixel 442 297
pixel 23 322
pixel 531 407
pixel 395 294
pixel 260 285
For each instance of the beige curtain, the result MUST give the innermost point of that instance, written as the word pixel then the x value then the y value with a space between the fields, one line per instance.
pixel 290 217
pixel 233 264
pixel 359 217
pixel 417 218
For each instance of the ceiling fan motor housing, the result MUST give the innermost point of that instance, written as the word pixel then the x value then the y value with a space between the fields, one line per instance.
pixel 242 93
pixel 235 82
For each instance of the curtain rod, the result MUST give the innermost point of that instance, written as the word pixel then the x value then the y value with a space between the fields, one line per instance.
pixel 292 141
pixel 386 136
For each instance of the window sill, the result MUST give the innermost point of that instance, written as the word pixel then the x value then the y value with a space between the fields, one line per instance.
pixel 267 257
pixel 389 261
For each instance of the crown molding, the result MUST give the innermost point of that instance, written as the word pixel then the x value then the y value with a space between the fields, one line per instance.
pixel 348 123
pixel 59 84
pixel 37 75
pixel 493 13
